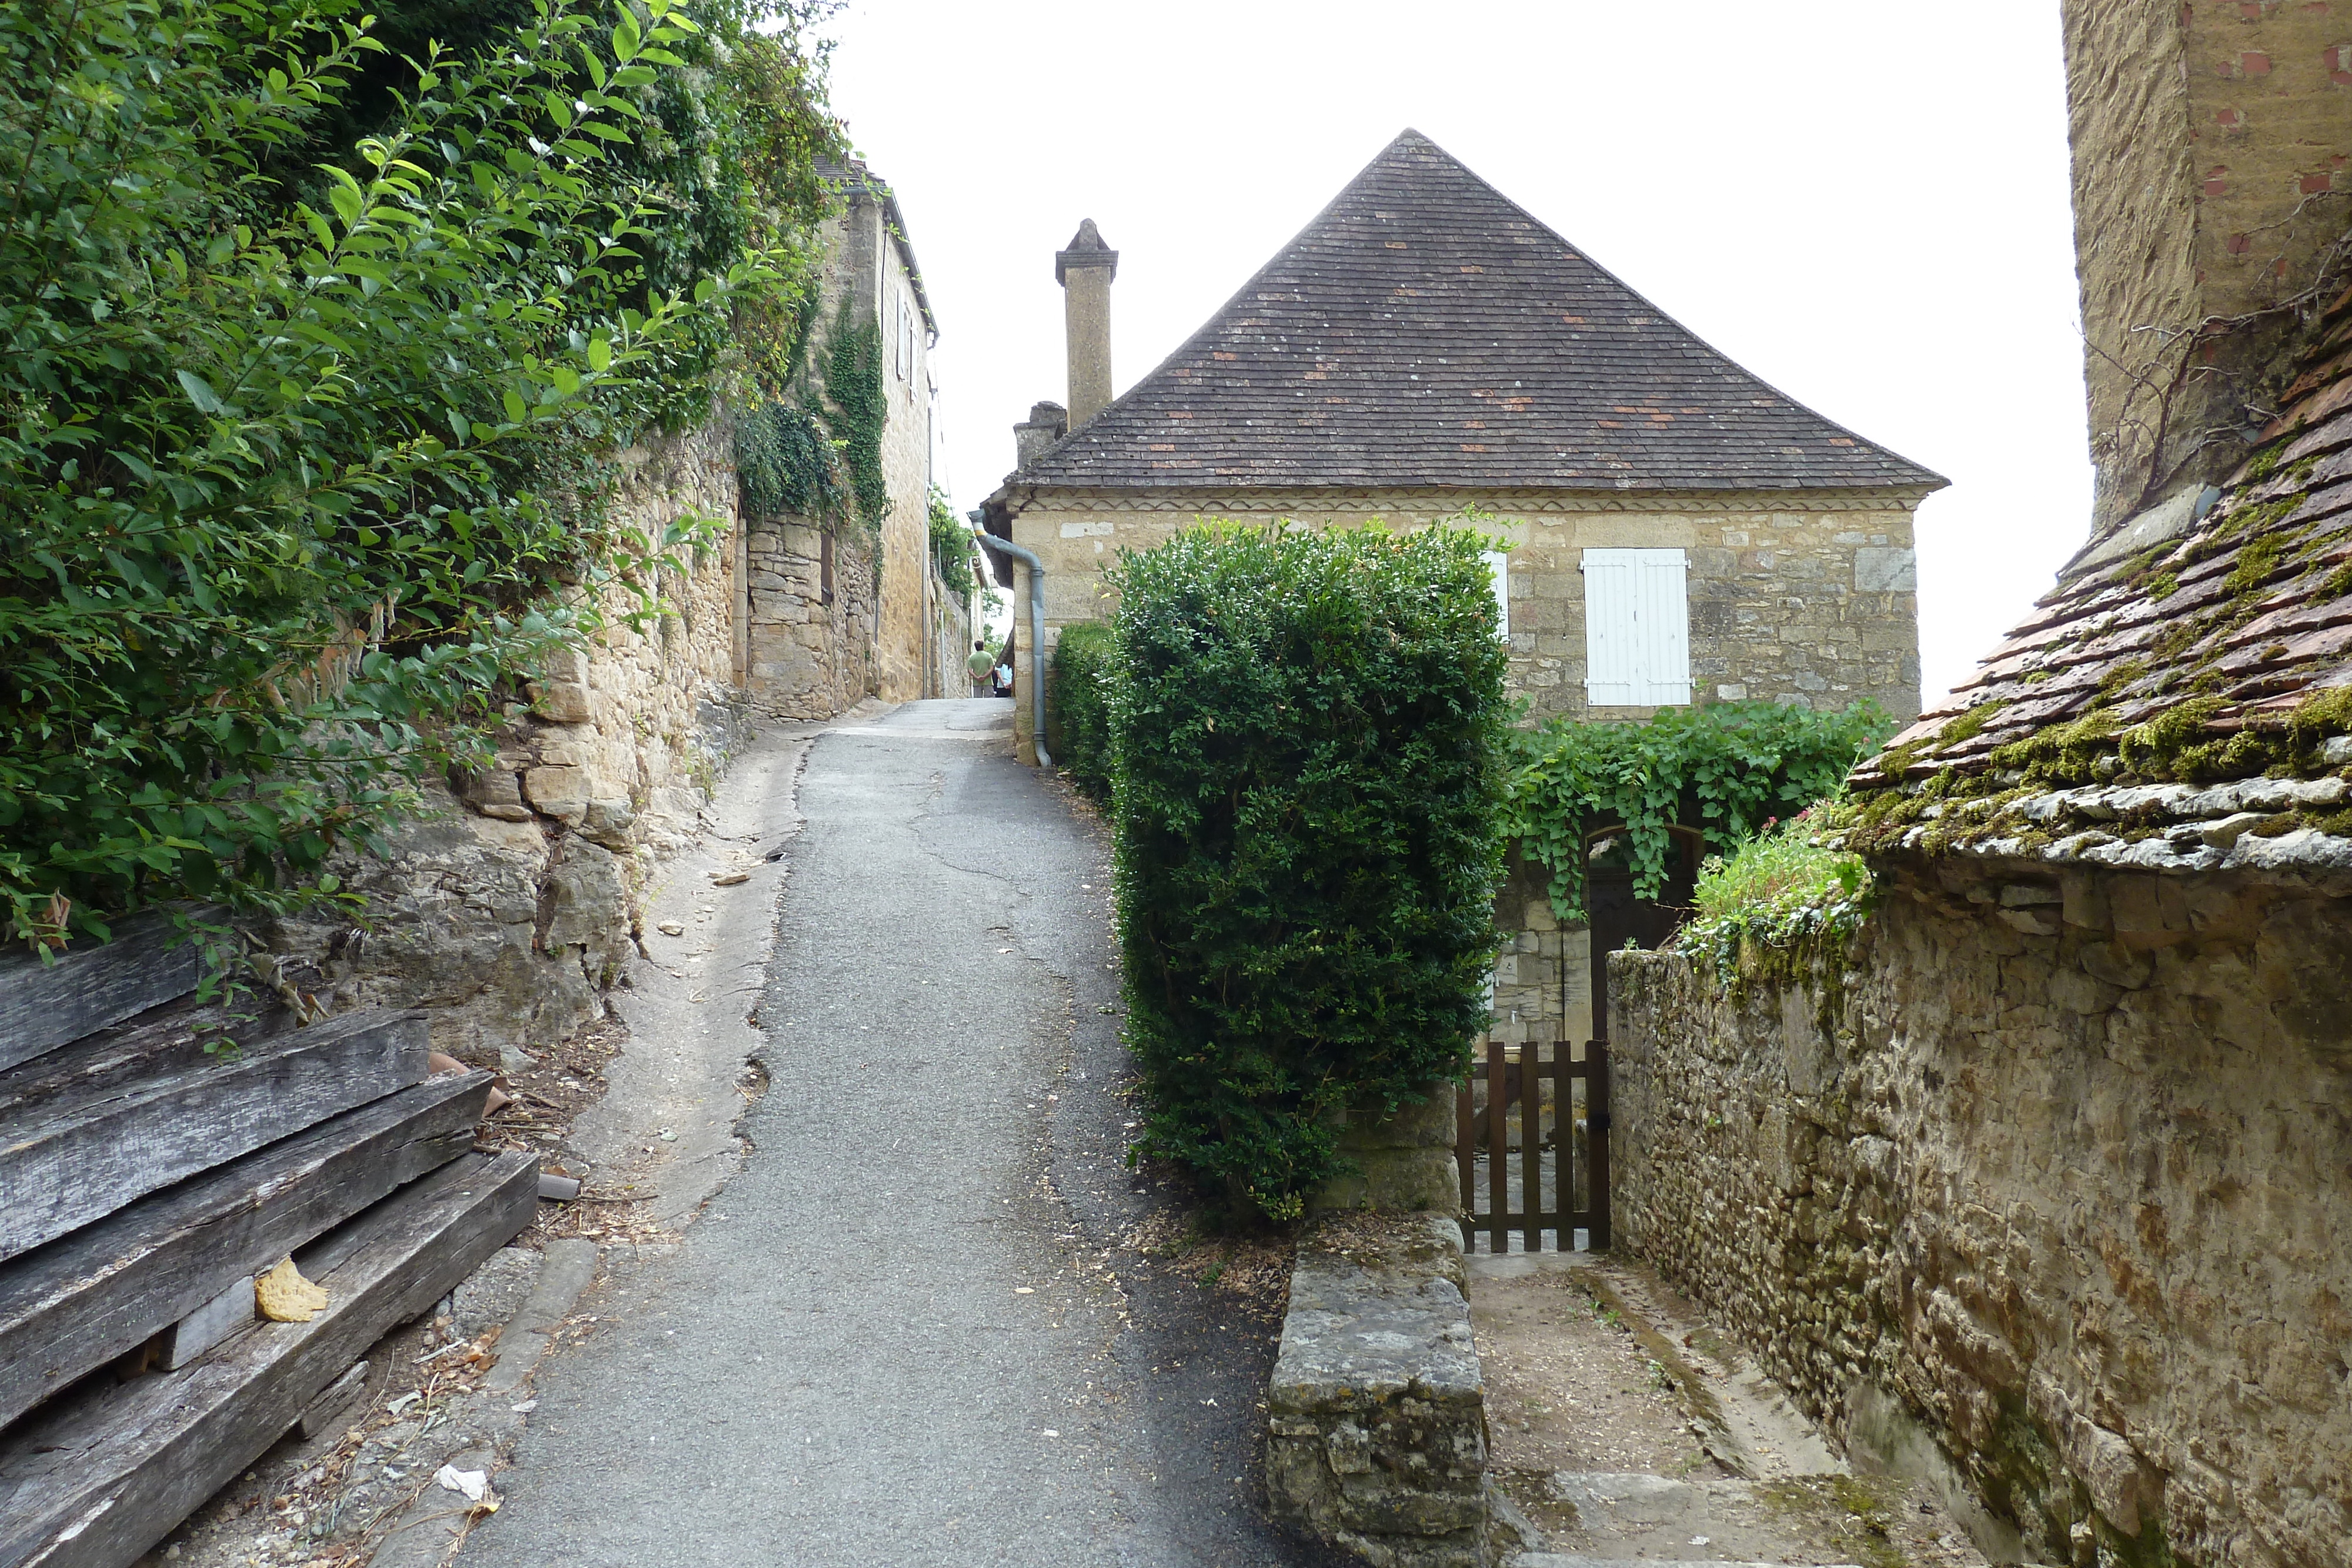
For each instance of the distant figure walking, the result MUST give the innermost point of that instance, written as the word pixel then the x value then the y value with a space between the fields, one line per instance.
pixel 981 666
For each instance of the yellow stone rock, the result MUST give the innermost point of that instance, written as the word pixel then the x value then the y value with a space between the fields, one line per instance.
pixel 283 1296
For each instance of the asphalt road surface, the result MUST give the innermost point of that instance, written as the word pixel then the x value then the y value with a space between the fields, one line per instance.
pixel 907 1334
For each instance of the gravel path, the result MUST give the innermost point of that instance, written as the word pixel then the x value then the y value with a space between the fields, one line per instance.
pixel 909 1330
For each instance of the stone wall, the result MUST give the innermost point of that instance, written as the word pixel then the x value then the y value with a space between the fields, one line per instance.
pixel 814 631
pixel 950 641
pixel 1543 976
pixel 1810 600
pixel 506 902
pixel 2213 145
pixel 2054 1170
pixel 1376 1417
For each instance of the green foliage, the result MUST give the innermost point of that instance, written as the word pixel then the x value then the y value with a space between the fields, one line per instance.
pixel 267 461
pixel 1306 732
pixel 952 548
pixel 1782 890
pixel 784 462
pixel 1723 768
pixel 1077 706
pixel 858 407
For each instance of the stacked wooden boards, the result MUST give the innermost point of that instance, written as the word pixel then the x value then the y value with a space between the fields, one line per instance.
pixel 144 1181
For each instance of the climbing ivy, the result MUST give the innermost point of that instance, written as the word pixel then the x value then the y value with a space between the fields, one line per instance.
pixel 951 546
pixel 784 462
pixel 858 407
pixel 1724 768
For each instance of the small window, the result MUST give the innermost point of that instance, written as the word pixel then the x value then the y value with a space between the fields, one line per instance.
pixel 1498 572
pixel 1636 628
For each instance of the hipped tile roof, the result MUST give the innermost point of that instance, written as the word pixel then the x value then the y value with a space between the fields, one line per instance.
pixel 1425 331
pixel 2244 608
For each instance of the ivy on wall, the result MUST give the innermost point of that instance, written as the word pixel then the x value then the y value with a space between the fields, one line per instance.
pixel 784 462
pixel 951 546
pixel 858 407
pixel 1724 768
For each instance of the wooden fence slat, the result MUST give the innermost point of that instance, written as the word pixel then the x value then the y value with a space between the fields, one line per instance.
pixel 1465 1158
pixel 97 1483
pixel 85 1299
pixel 1596 1140
pixel 1531 1143
pixel 1498 1154
pixel 69 1160
pixel 44 1005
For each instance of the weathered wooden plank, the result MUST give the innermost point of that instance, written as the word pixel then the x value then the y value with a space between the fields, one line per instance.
pixel 69 1160
pixel 167 1037
pixel 87 1298
pixel 97 1481
pixel 44 1005
pixel 337 1407
pixel 233 1308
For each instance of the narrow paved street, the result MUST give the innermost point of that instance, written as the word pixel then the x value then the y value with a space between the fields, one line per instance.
pixel 907 1332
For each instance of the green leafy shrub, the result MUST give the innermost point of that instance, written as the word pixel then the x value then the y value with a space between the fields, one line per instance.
pixel 1782 890
pixel 1723 768
pixel 1306 733
pixel 952 548
pixel 1077 706
pixel 292 482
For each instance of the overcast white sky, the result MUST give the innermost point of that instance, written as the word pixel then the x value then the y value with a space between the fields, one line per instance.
pixel 1864 202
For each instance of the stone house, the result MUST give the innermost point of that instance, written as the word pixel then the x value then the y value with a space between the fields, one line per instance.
pixel 830 613
pixel 1673 529
pixel 2039 1188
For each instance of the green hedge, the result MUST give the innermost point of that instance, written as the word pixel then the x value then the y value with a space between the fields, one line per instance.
pixel 1077 706
pixel 1308 733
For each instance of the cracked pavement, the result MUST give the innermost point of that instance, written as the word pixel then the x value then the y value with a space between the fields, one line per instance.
pixel 909 1330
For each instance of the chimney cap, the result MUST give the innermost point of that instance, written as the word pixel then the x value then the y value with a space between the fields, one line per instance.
pixel 1085 249
pixel 1049 412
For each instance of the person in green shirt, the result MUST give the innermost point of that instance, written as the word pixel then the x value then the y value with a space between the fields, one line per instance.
pixel 981 664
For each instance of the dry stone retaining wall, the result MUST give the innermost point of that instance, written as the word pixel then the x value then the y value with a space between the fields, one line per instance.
pixel 2055 1170
pixel 507 904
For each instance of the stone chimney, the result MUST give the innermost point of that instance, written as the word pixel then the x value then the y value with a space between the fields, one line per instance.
pixel 1085 271
pixel 1048 423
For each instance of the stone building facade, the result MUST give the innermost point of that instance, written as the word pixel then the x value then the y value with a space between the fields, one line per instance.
pixel 1426 350
pixel 835 611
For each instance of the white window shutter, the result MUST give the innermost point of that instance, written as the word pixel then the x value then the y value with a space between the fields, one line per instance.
pixel 1498 572
pixel 1636 628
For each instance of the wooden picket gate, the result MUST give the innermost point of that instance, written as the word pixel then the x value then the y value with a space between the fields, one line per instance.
pixel 1555 1182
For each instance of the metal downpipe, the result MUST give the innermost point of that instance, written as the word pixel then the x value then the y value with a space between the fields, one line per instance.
pixel 1037 630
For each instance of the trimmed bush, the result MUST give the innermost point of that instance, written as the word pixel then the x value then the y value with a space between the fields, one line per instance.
pixel 1306 732
pixel 1077 706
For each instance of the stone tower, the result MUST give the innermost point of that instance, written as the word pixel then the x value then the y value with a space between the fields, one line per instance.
pixel 2212 192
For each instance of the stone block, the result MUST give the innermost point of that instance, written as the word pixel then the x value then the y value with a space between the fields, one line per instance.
pixel 1884 570
pixel 1376 1415
pixel 561 702
pixel 496 792
pixel 607 823
pixel 561 792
